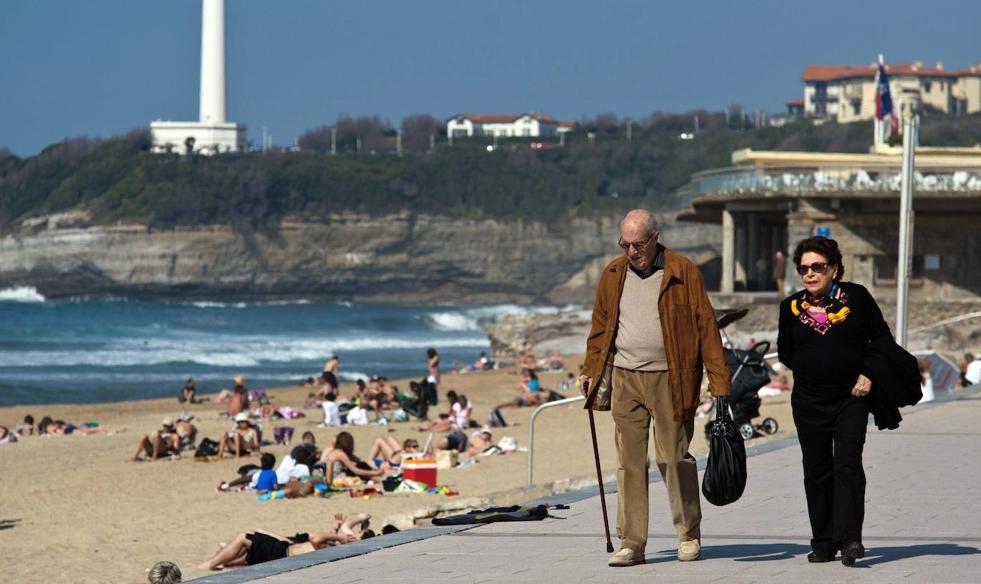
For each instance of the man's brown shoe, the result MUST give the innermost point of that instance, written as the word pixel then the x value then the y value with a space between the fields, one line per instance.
pixel 689 551
pixel 626 557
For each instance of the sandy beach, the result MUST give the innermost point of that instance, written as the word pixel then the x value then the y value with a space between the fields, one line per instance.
pixel 75 510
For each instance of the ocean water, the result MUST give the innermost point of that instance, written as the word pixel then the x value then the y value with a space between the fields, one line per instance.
pixel 103 350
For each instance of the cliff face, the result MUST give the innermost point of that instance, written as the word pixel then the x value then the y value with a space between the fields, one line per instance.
pixel 395 258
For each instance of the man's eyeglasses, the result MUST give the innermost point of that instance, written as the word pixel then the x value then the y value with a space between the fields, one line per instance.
pixel 638 245
pixel 816 267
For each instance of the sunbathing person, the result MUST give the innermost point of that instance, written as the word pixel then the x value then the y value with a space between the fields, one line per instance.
pixel 27 427
pixel 445 421
pixel 188 393
pixel 163 442
pixel 49 427
pixel 6 437
pixel 341 461
pixel 186 432
pixel 529 392
pixel 455 440
pixel 386 452
pixel 243 440
pixel 257 547
pixel 261 480
pixel 480 442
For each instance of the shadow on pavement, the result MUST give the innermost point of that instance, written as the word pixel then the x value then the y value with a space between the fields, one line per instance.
pixel 880 555
pixel 742 552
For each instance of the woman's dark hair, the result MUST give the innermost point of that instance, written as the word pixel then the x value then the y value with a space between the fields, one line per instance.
pixel 532 374
pixel 345 443
pixel 451 396
pixel 43 425
pixel 430 352
pixel 268 461
pixel 824 246
pixel 29 419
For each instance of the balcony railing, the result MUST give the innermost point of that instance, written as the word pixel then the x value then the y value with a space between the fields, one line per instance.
pixel 833 180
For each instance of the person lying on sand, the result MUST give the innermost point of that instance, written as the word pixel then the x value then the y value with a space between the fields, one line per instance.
pixel 261 480
pixel 6 437
pixel 341 461
pixel 243 440
pixel 49 427
pixel 27 427
pixel 257 547
pixel 386 453
pixel 163 442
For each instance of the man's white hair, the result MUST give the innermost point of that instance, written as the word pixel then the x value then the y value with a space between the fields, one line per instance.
pixel 643 216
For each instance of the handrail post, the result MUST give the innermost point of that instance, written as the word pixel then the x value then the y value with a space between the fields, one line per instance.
pixel 531 429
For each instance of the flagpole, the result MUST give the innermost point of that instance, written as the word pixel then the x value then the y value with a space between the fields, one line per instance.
pixel 910 129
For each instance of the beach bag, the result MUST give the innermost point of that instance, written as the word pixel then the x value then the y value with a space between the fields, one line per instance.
pixel 208 447
pixel 725 473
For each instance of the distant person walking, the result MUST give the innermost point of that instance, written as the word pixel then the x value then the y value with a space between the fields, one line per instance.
pixel 653 330
pixel 824 334
pixel 779 271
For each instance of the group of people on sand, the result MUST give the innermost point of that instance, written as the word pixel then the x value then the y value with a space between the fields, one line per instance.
pixel 51 427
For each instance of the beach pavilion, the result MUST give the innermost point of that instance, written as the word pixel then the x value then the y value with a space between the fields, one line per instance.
pixel 768 201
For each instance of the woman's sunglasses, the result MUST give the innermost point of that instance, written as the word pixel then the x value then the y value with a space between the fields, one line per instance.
pixel 816 267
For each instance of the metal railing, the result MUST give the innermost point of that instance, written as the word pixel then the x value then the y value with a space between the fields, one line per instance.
pixel 531 429
pixel 830 180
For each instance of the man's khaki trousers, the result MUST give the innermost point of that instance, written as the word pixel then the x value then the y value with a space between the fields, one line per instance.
pixel 639 396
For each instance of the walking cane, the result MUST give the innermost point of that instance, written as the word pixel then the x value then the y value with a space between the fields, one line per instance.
pixel 599 474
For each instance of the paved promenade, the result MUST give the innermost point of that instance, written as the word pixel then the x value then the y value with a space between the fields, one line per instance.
pixel 923 524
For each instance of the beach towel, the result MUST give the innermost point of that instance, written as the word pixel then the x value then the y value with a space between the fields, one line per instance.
pixel 495 515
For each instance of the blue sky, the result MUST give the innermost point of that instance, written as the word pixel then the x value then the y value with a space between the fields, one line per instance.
pixel 100 67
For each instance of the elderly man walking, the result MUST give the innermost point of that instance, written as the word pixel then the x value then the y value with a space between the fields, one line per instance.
pixel 653 330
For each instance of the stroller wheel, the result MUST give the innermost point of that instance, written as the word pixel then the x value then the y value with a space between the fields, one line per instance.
pixel 747 431
pixel 770 426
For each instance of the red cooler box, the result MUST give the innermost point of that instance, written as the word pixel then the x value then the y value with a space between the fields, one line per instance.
pixel 422 470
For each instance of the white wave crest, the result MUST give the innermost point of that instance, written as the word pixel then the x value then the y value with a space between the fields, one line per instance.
pixel 353 375
pixel 473 319
pixel 21 294
pixel 244 351
pixel 453 321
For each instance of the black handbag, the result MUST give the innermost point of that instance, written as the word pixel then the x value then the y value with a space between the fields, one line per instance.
pixel 725 473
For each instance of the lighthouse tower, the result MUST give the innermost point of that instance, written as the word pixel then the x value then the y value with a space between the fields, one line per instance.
pixel 211 134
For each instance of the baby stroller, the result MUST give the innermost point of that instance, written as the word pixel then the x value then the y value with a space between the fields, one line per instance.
pixel 749 372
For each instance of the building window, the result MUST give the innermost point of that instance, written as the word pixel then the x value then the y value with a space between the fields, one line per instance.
pixel 885 268
pixel 927 86
pixel 856 108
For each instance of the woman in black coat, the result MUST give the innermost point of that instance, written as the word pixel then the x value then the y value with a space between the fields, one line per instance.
pixel 825 330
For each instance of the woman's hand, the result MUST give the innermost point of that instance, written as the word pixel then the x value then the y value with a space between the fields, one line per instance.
pixel 584 382
pixel 862 386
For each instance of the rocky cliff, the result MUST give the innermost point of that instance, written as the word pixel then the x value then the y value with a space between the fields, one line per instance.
pixel 395 258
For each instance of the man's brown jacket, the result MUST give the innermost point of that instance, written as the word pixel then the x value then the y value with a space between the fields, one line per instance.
pixel 691 336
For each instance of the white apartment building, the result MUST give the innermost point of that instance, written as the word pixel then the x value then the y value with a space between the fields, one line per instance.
pixel 530 125
pixel 846 93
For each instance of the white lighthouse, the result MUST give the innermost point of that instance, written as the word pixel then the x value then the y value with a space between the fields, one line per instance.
pixel 211 134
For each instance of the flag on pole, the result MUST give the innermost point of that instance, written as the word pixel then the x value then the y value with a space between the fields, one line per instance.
pixel 883 99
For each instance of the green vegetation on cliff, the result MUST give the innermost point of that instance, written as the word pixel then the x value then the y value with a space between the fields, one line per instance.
pixel 118 179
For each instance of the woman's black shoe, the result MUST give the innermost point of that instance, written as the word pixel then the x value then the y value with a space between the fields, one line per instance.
pixel 851 552
pixel 816 558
